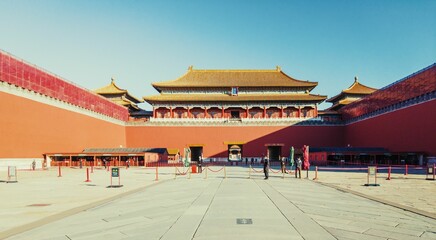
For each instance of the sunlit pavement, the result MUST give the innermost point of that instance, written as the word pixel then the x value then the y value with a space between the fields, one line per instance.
pixel 211 205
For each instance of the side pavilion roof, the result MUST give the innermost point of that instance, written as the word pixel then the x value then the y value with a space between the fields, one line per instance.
pixel 112 88
pixel 355 89
pixel 235 78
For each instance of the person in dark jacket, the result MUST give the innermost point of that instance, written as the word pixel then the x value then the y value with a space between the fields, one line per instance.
pixel 266 167
pixel 298 168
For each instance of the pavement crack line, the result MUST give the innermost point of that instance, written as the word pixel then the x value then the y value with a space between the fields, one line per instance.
pixel 211 201
pixel 192 203
pixel 303 231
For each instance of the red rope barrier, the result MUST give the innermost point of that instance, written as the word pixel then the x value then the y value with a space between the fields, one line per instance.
pixel 215 171
pixel 341 169
pixel 182 173
pixel 272 170
pixel 261 171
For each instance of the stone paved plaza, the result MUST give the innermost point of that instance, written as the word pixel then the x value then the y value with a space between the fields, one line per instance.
pixel 44 206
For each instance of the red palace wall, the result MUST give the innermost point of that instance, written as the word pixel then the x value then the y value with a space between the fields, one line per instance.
pixel 411 129
pixel 29 129
pixel 213 137
pixel 19 73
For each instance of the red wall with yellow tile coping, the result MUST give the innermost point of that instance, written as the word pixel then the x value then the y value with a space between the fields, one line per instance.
pixel 412 129
pixel 29 129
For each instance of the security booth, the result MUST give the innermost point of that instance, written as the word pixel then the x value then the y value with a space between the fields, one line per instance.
pixel 431 173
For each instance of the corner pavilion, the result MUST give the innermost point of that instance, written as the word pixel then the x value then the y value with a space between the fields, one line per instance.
pixel 235 94
pixel 119 96
pixel 355 92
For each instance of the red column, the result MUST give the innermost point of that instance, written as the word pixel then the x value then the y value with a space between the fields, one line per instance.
pixel 171 112
pixel 264 112
pixel 247 113
pixel 154 113
pixel 299 111
pixel 189 112
pixel 282 113
pixel 205 112
pixel 316 110
pixel 222 113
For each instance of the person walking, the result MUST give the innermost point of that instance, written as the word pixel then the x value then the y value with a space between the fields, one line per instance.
pixel 283 165
pixel 298 168
pixel 266 167
pixel 200 164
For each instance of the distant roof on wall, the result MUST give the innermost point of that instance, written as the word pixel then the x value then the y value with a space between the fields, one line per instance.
pixel 125 150
pixel 229 98
pixel 355 89
pixel 112 88
pixel 235 78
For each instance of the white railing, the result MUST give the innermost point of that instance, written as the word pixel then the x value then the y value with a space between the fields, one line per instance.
pixel 229 121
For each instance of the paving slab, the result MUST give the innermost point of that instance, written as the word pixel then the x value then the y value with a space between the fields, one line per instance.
pixel 196 207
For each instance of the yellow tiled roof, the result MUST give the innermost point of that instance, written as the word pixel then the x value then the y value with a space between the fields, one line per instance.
pixel 112 88
pixel 356 88
pixel 342 103
pixel 125 102
pixel 229 98
pixel 235 78
pixel 172 151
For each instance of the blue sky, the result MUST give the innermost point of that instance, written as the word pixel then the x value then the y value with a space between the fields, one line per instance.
pixel 140 42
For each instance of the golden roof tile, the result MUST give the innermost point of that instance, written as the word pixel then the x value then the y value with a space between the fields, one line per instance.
pixel 356 88
pixel 172 151
pixel 229 98
pixel 235 78
pixel 112 88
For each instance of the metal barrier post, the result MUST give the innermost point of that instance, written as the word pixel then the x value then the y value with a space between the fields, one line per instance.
pixel 389 173
pixel 406 170
pixel 157 174
pixel 87 175
pixel 59 171
pixel 249 172
pixel 316 173
pixel 225 175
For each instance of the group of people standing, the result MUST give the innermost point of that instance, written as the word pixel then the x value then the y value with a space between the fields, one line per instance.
pixel 298 164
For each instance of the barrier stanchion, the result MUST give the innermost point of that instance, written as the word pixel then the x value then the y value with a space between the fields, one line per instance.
pixel 12 173
pixel 431 171
pixel 225 175
pixel 157 174
pixel 59 171
pixel 406 170
pixel 316 173
pixel 87 175
pixel 249 172
pixel 205 172
pixel 372 171
pixel 92 168
pixel 389 173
